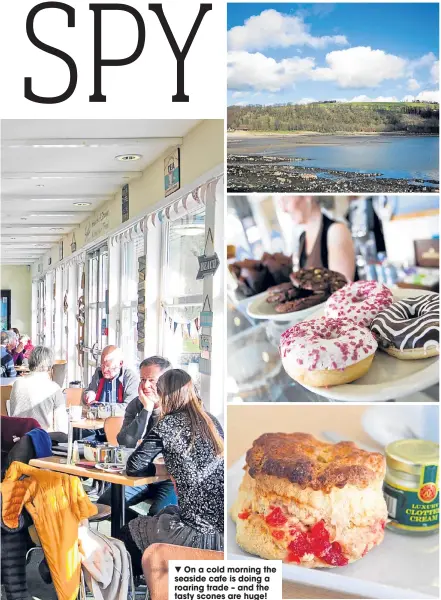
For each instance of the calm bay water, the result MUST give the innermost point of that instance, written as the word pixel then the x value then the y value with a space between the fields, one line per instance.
pixel 406 157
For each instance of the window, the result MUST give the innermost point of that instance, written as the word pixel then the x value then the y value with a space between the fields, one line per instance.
pixel 184 241
pixel 131 251
pixel 41 303
pixel 96 329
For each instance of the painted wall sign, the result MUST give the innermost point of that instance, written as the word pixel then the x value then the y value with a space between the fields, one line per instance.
pixel 96 226
pixel 125 202
pixel 172 172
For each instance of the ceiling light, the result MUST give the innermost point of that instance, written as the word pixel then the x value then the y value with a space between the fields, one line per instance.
pixel 57 229
pixel 23 218
pixel 128 157
pixel 38 184
pixel 62 146
pixel 50 177
pixel 12 238
pixel 63 214
pixel 82 203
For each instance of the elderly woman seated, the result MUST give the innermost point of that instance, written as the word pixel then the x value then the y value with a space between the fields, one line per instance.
pixel 37 396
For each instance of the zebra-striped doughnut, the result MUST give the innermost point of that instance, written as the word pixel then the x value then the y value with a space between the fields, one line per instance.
pixel 409 329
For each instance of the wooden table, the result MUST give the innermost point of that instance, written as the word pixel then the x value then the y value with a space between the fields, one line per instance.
pixel 88 424
pixel 118 482
pixel 246 423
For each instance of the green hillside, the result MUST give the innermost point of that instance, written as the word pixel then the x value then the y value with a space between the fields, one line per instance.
pixel 331 117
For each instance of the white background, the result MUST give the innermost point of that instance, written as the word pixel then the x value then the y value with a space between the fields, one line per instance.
pixel 142 89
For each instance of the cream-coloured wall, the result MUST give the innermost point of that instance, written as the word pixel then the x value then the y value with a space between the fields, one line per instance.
pixel 202 149
pixel 17 278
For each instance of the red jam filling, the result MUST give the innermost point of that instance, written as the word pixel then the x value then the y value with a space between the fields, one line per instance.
pixel 278 534
pixel 316 541
pixel 244 515
pixel 276 518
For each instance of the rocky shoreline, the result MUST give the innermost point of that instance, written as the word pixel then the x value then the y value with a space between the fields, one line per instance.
pixel 254 173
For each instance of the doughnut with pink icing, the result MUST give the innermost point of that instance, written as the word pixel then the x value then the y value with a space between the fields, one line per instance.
pixel 359 302
pixel 322 352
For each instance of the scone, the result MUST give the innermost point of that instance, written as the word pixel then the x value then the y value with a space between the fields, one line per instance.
pixel 308 502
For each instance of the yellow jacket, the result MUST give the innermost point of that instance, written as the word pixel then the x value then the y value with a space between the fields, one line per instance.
pixel 56 503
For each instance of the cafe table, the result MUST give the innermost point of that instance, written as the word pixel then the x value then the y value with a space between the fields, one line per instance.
pixel 117 481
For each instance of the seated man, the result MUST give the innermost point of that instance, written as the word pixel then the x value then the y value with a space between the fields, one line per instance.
pixel 141 416
pixel 112 382
pixel 8 344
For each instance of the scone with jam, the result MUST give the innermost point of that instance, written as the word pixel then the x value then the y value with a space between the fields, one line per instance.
pixel 311 503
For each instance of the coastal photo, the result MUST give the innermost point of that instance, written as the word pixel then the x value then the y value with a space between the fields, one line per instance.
pixel 346 496
pixel 332 98
pixel 332 298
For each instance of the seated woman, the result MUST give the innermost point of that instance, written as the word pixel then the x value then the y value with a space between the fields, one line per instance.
pixel 37 396
pixel 191 443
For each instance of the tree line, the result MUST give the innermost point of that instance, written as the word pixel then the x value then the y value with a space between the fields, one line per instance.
pixel 329 117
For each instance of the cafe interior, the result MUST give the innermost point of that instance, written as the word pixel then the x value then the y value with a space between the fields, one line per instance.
pixel 395 241
pixel 102 226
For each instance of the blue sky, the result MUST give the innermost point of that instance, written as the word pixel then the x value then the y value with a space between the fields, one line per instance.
pixel 283 52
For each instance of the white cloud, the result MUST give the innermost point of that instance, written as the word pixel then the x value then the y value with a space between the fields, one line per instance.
pixel 364 98
pixel 412 84
pixel 429 96
pixel 272 29
pixel 306 101
pixel 425 61
pixel 239 94
pixel 361 67
pixel 434 71
pixel 258 72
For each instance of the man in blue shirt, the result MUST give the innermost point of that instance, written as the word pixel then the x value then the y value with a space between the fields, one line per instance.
pixel 8 343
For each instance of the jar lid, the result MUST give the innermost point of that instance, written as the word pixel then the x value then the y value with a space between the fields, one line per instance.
pixel 410 455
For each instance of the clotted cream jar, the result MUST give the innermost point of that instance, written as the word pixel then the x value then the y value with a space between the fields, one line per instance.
pixel 411 486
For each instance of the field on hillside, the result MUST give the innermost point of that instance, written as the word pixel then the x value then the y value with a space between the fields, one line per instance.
pixel 329 117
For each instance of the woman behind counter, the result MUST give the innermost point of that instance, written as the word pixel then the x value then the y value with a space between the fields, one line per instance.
pixel 324 243
pixel 191 443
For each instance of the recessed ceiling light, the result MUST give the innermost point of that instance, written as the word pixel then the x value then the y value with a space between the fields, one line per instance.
pixel 39 184
pixel 12 238
pixel 82 203
pixel 128 157
pixel 23 218
pixel 57 229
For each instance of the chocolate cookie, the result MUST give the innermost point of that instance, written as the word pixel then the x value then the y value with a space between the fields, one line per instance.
pixel 318 279
pixel 301 303
pixel 282 292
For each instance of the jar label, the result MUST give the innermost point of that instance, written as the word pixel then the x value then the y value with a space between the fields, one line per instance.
pixel 415 508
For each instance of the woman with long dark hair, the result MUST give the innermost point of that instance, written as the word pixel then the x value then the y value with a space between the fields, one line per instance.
pixel 190 440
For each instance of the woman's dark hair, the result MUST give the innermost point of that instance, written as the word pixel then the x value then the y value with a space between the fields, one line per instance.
pixel 176 390
pixel 156 361
pixel 15 330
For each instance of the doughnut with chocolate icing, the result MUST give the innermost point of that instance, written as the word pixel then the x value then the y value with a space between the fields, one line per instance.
pixel 409 329
pixel 323 352
pixel 359 302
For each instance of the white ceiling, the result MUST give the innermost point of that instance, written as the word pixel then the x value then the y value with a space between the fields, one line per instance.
pixel 49 165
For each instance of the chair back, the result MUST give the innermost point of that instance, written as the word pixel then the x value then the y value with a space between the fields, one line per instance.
pixel 5 395
pixel 112 426
pixel 73 396
pixel 59 371
pixel 15 426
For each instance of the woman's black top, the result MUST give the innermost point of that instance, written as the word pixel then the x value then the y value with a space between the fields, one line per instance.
pixel 198 472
